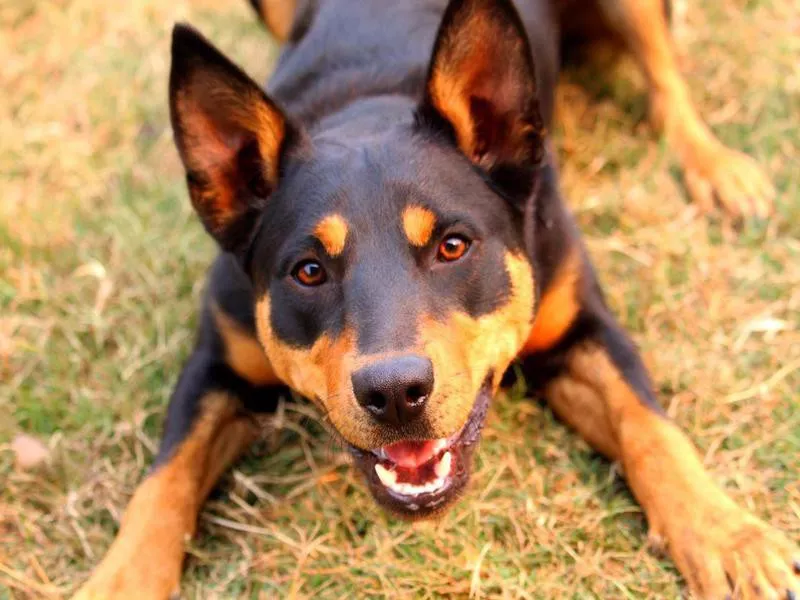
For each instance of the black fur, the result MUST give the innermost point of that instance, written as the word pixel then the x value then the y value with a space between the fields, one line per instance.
pixel 364 142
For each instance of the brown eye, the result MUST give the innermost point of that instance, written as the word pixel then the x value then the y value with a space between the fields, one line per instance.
pixel 310 273
pixel 452 248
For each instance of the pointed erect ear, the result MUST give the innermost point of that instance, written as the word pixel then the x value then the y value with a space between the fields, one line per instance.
pixel 481 90
pixel 230 137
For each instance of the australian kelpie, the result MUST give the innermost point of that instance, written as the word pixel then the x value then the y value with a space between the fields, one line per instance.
pixel 393 239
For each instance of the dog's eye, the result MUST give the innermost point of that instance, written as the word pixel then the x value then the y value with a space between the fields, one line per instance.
pixel 452 248
pixel 310 273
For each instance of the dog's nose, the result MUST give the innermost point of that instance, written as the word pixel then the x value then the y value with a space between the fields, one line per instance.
pixel 394 390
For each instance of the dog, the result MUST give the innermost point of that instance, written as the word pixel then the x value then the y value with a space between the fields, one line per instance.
pixel 392 239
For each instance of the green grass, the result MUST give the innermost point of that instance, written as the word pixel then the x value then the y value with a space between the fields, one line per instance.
pixel 102 263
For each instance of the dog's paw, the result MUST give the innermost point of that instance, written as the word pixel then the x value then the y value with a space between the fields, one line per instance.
pixel 736 556
pixel 733 180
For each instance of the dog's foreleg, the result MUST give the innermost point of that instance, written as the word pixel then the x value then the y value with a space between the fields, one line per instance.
pixel 712 172
pixel 593 378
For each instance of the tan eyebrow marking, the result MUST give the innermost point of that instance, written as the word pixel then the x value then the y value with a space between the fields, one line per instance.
pixel 418 224
pixel 332 233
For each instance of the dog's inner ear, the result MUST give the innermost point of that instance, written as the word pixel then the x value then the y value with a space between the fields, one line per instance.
pixel 230 137
pixel 481 89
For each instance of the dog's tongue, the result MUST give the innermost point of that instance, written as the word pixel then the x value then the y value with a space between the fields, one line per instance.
pixel 411 454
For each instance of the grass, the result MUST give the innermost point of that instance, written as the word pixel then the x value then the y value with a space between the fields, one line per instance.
pixel 102 263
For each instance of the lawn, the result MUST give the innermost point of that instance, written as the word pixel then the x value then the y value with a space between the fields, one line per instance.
pixel 102 264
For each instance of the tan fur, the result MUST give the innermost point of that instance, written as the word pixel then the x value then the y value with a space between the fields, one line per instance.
pixel 580 405
pixel 320 373
pixel 245 111
pixel 418 225
pixel 212 137
pixel 146 557
pixel 464 69
pixel 452 103
pixel 243 353
pixel 278 16
pixel 463 351
pixel 703 529
pixel 331 231
pixel 557 308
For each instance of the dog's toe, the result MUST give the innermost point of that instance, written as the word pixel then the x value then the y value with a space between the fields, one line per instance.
pixel 738 557
pixel 732 180
pixel 757 565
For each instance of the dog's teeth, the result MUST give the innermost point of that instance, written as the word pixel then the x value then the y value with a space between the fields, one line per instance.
pixel 407 489
pixel 443 466
pixel 439 446
pixel 387 477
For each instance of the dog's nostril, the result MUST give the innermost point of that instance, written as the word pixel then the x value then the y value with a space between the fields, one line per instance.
pixel 416 394
pixel 376 402
pixel 394 390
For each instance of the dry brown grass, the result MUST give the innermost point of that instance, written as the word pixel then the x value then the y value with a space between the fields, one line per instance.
pixel 102 263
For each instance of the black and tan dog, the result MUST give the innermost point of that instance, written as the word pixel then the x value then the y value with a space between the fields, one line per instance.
pixel 393 239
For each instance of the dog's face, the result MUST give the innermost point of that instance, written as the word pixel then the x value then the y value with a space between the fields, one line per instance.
pixel 388 248
pixel 393 290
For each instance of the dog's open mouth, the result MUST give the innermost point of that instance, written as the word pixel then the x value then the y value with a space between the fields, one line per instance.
pixel 417 478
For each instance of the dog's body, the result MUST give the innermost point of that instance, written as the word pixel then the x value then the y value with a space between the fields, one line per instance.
pixel 393 241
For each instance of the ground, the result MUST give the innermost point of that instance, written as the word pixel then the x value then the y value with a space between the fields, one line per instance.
pixel 102 262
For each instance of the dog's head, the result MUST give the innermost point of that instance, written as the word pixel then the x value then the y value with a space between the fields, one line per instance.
pixel 387 245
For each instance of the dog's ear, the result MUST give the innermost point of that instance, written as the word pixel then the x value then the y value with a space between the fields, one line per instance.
pixel 230 137
pixel 481 91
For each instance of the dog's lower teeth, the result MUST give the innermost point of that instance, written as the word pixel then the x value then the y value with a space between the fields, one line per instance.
pixel 409 489
pixel 388 477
